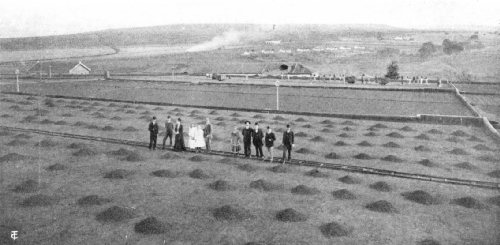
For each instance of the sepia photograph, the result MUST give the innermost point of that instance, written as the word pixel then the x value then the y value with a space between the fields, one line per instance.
pixel 223 122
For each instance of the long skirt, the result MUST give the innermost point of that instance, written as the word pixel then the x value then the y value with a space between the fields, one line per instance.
pixel 179 143
pixel 191 142
pixel 199 141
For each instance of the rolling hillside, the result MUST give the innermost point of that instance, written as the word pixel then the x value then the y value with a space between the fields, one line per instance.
pixel 204 48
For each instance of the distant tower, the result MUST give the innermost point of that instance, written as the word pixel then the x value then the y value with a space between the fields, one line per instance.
pixel 274 27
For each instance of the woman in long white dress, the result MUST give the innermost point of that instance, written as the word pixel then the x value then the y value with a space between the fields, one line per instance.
pixel 199 139
pixel 192 137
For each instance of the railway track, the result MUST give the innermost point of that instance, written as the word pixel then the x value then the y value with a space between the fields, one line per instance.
pixel 314 164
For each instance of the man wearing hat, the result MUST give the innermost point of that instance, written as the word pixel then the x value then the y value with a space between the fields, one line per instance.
pixel 257 137
pixel 288 143
pixel 153 133
pixel 247 132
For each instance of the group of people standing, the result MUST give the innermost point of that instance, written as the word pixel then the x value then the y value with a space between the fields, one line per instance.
pixel 259 139
pixel 200 137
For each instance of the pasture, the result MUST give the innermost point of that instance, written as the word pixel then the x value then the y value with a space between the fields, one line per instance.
pixel 158 49
pixel 66 53
pixel 57 190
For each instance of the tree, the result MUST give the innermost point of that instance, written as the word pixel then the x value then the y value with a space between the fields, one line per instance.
pixel 450 47
pixel 427 49
pixel 465 77
pixel 392 70
pixel 380 36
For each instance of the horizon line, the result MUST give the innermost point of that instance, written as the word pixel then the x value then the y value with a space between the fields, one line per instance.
pixel 456 28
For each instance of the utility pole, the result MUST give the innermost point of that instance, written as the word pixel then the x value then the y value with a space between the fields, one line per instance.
pixel 17 80
pixel 40 71
pixel 173 67
pixel 277 95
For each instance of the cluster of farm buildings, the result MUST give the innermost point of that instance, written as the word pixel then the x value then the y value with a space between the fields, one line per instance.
pixel 340 49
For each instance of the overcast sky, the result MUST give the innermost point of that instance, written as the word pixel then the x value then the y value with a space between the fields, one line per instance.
pixel 49 17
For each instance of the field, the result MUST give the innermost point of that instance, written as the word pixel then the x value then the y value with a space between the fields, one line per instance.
pixel 33 55
pixel 187 202
pixel 219 48
pixel 63 190
pixel 318 100
pixel 485 97
pixel 490 104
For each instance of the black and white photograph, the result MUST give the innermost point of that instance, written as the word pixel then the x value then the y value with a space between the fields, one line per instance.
pixel 224 122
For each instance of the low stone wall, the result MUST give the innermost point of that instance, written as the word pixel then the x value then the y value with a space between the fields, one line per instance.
pixel 466 102
pixel 491 131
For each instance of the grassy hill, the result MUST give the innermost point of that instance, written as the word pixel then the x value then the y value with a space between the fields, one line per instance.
pixel 180 34
pixel 172 34
pixel 203 48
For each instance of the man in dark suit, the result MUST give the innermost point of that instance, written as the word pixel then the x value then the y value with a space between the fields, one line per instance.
pixel 169 131
pixel 207 134
pixel 153 133
pixel 288 143
pixel 247 139
pixel 257 136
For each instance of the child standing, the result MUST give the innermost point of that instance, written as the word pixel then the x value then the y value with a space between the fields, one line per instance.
pixel 235 141
pixel 269 139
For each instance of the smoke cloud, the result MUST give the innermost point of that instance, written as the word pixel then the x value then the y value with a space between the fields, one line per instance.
pixel 227 38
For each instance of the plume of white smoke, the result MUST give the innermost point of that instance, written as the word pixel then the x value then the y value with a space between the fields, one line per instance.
pixel 227 38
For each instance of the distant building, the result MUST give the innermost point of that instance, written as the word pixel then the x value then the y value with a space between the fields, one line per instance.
pixel 289 69
pixel 286 51
pixel 403 38
pixel 267 51
pixel 51 68
pixel 273 42
pixel 302 50
pixel 80 69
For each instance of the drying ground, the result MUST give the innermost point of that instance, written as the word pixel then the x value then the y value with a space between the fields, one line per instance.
pixel 451 151
pixel 102 198
pixel 96 193
pixel 319 100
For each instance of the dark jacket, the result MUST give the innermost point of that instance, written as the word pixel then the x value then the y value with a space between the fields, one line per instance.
pixel 179 129
pixel 153 128
pixel 207 130
pixel 169 127
pixel 247 135
pixel 288 138
pixel 270 138
pixel 257 136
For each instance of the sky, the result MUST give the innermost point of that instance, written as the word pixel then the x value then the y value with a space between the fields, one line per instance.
pixel 21 18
